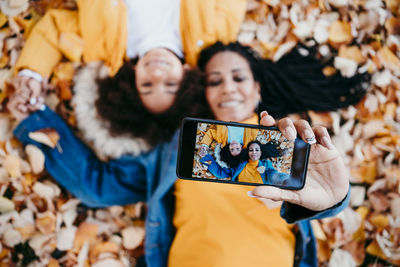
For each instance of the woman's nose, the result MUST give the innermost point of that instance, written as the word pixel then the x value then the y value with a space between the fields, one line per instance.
pixel 228 86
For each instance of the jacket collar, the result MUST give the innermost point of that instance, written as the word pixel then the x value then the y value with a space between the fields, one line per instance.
pixel 94 130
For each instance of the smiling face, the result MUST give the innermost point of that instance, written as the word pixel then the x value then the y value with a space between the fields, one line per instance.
pixel 158 76
pixel 235 148
pixel 254 152
pixel 231 92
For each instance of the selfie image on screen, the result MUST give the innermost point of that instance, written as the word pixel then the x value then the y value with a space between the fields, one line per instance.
pixel 238 154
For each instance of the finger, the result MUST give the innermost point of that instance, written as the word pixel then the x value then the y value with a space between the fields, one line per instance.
pixel 322 136
pixel 266 119
pixel 304 130
pixel 35 87
pixel 276 194
pixel 287 128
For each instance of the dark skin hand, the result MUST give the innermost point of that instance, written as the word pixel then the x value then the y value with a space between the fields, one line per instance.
pixel 327 181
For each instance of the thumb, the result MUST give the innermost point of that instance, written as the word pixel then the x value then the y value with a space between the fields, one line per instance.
pixel 266 119
pixel 276 194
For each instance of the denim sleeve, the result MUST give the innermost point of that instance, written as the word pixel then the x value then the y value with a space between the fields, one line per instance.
pixel 293 213
pixel 78 169
pixel 215 169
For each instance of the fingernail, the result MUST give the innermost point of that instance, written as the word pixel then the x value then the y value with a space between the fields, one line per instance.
pixel 250 194
pixel 33 101
pixel 290 133
pixel 327 143
pixel 263 113
pixel 310 137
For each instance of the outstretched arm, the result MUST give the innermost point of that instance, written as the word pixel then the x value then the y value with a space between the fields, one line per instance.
pixel 215 169
pixel 326 190
pixel 77 168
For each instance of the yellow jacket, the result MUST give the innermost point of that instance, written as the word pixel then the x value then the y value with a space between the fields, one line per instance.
pixel 98 31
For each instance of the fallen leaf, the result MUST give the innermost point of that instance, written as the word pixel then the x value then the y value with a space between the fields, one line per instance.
pixel 86 232
pixel 352 52
pixel 46 222
pixel 340 33
pixel 36 158
pixel 47 136
pixel 12 164
pixel 6 205
pixel 132 237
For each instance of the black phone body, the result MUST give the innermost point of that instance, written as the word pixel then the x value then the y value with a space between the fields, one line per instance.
pixel 287 169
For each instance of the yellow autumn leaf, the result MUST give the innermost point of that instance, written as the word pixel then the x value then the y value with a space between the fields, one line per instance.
pixel 380 221
pixel 351 52
pixel 3 19
pixel 12 164
pixel 375 250
pixel 388 59
pixel 340 33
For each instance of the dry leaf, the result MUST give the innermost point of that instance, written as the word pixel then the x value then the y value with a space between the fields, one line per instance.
pixel 12 164
pixel 36 158
pixel 46 222
pixel 86 232
pixel 132 237
pixel 48 137
pixel 340 33
pixel 6 205
pixel 352 52
pixel 389 60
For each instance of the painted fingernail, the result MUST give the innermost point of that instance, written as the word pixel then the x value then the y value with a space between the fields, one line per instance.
pixel 33 101
pixel 310 137
pixel 327 143
pixel 263 113
pixel 250 194
pixel 290 133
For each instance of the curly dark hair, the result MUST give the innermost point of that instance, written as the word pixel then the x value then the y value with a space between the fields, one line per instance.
pixel 119 104
pixel 295 83
pixel 228 158
pixel 268 150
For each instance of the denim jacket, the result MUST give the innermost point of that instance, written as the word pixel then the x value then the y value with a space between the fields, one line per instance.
pixel 149 177
pixel 269 176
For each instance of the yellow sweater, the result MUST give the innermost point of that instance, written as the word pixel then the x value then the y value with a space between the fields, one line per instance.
pixel 220 225
pixel 98 31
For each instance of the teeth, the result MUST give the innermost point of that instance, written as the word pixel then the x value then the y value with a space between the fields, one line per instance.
pixel 228 104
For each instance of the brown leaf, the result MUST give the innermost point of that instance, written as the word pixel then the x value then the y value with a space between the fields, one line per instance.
pixel 352 52
pixel 364 173
pixel 102 247
pixel 46 222
pixel 357 251
pixel 392 25
pixel 47 136
pixel 85 232
pixel 340 33
pixel 378 201
pixel 388 59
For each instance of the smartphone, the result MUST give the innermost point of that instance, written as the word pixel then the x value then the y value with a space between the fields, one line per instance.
pixel 236 153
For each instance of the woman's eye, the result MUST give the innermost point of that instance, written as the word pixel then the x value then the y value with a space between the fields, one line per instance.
pixel 239 79
pixel 171 84
pixel 146 84
pixel 213 82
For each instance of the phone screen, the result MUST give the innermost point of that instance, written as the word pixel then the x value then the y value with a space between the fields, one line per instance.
pixel 232 153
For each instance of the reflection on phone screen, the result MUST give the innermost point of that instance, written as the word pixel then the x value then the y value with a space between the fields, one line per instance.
pixel 244 155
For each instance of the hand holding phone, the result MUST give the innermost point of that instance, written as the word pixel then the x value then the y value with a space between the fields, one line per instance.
pixel 327 181
pixel 240 154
